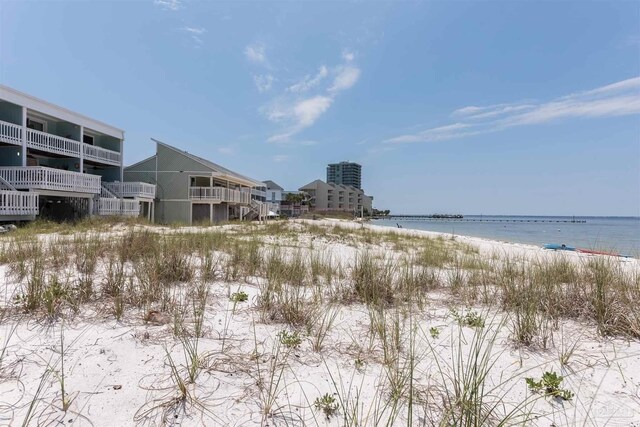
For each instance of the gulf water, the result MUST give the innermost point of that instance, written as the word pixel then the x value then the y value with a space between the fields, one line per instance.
pixel 615 234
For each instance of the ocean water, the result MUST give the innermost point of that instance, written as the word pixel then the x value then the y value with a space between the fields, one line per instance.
pixel 615 234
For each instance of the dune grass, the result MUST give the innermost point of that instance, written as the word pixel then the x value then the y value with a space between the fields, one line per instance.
pixel 391 278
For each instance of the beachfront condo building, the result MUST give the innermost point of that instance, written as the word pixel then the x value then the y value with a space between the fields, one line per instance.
pixel 336 197
pixel 192 190
pixel 58 164
pixel 345 173
pixel 274 192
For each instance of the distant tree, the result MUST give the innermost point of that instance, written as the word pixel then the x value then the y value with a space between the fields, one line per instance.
pixel 297 198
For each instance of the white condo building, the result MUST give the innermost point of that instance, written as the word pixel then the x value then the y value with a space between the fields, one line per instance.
pixel 59 164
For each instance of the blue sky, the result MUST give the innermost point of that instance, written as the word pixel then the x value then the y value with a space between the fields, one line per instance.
pixel 472 107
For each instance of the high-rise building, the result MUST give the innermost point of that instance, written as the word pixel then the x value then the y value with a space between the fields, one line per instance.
pixel 345 173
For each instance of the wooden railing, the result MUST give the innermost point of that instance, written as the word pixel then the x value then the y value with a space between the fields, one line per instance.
pixel 91 152
pixel 110 206
pixel 220 194
pixel 24 178
pixel 18 203
pixel 52 143
pixel 10 133
pixel 131 189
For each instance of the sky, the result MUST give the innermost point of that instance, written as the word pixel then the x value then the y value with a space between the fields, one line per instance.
pixel 482 107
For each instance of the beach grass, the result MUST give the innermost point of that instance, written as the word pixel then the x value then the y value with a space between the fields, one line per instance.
pixel 297 284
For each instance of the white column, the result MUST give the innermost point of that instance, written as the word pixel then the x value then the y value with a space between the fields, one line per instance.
pixel 121 161
pixel 24 137
pixel 81 149
pixel 210 213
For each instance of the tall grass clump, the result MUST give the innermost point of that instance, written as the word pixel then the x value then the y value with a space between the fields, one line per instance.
pixel 614 297
pixel 467 397
pixel 373 280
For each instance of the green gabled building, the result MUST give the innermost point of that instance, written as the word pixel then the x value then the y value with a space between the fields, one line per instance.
pixel 190 189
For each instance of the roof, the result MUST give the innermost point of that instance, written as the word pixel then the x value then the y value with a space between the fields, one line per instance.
pixel 140 162
pixel 213 166
pixel 47 108
pixel 272 185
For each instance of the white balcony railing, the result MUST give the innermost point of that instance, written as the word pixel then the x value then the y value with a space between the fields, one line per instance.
pixel 110 206
pixel 39 177
pixel 15 203
pixel 258 193
pixel 131 189
pixel 91 152
pixel 10 133
pixel 52 143
pixel 220 194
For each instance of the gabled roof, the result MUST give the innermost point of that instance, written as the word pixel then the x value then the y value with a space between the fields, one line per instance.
pixel 141 161
pixel 312 184
pixel 272 185
pixel 213 166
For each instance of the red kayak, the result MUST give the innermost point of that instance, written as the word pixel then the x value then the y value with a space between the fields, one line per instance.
pixel 589 251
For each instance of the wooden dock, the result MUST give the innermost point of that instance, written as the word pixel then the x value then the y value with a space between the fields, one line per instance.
pixel 457 219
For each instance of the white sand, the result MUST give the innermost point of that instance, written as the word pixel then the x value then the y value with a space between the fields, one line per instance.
pixel 116 373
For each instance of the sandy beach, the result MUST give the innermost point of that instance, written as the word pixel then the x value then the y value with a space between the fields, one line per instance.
pixel 324 322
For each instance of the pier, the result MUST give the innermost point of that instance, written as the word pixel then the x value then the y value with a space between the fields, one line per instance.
pixel 460 218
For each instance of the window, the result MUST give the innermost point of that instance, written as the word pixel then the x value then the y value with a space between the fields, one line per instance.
pixel 273 196
pixel 36 125
pixel 87 139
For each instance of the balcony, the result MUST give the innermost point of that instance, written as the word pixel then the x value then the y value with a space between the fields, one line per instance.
pixel 259 193
pixel 52 143
pixel 99 154
pixel 220 194
pixel 119 207
pixel 131 189
pixel 18 203
pixel 12 134
pixel 38 177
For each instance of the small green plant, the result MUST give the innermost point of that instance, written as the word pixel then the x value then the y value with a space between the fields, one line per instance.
pixel 241 296
pixel 360 364
pixel 550 386
pixel 327 404
pixel 471 319
pixel 434 332
pixel 289 339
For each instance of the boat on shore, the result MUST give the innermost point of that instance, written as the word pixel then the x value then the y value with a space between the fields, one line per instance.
pixel 563 247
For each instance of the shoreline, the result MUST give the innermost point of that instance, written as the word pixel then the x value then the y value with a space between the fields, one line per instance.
pixel 486 245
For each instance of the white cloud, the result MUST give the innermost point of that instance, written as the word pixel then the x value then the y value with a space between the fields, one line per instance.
pixel 195 33
pixel 280 158
pixel 194 30
pixel 434 134
pixel 256 53
pixel 297 111
pixel 228 150
pixel 346 78
pixel 168 4
pixel 309 110
pixel 263 82
pixel 617 99
pixel 298 116
pixel 309 81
